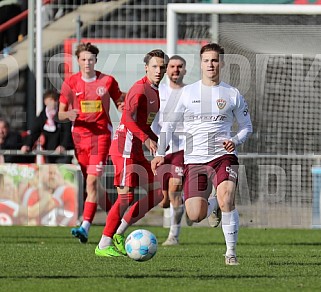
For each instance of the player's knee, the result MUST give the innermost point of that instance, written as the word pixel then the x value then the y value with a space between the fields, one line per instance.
pixel 196 217
pixel 164 203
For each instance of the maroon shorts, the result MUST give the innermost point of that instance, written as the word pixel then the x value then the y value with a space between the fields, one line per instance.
pixel 199 178
pixel 173 167
pixel 131 173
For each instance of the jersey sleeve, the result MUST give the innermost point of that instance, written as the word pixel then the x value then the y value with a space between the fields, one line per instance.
pixel 170 122
pixel 114 90
pixel 65 93
pixel 131 115
pixel 243 119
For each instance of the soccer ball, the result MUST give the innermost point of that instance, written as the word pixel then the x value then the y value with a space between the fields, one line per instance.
pixel 141 245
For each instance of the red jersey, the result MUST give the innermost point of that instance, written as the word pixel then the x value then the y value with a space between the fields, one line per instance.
pixel 141 106
pixel 92 99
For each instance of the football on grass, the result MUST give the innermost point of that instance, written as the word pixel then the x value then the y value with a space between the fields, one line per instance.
pixel 141 245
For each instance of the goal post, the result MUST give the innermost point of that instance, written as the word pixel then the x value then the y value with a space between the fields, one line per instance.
pixel 272 55
pixel 278 9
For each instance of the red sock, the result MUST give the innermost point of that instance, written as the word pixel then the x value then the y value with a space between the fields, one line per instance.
pixel 104 202
pixel 141 207
pixel 115 214
pixel 89 211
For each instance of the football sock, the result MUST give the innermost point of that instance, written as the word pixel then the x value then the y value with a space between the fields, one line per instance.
pixel 86 225
pixel 141 207
pixel 116 212
pixel 105 241
pixel 230 226
pixel 212 205
pixel 176 218
pixel 122 227
pixel 89 212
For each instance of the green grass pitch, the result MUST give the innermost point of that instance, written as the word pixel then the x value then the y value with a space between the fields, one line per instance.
pixel 49 259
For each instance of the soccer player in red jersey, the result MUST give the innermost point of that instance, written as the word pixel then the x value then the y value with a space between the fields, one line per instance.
pixel 131 167
pixel 85 100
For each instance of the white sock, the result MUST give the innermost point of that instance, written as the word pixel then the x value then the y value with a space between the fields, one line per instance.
pixel 176 218
pixel 122 227
pixel 230 226
pixel 105 241
pixel 86 225
pixel 212 205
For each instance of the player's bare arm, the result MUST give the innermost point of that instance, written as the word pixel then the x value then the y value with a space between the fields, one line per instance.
pixel 64 114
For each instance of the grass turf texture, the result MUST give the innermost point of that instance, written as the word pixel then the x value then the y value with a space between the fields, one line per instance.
pixel 49 259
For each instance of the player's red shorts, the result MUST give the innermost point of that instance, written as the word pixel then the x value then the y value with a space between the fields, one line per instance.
pixel 92 151
pixel 173 167
pixel 131 173
pixel 199 178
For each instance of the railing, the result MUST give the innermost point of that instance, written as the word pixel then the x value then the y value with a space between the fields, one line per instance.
pixel 19 17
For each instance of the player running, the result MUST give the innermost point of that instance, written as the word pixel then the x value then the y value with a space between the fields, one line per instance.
pixel 209 108
pixel 131 168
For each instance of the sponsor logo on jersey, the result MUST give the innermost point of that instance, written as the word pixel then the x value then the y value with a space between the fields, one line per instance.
pixel 221 103
pixel 205 118
pixel 196 101
pixel 91 106
pixel 100 91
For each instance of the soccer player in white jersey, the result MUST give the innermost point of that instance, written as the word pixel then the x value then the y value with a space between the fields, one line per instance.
pixel 172 174
pixel 209 108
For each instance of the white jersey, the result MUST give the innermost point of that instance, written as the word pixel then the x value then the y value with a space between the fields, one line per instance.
pixel 168 101
pixel 208 113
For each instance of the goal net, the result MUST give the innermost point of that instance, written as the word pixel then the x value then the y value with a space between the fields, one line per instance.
pixel 272 54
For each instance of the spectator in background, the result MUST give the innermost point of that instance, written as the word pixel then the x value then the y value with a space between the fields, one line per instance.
pixel 56 135
pixel 8 10
pixel 9 140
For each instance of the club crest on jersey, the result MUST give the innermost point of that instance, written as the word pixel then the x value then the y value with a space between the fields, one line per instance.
pixel 221 103
pixel 100 91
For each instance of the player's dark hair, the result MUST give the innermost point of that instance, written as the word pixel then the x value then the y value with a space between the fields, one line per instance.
pixel 156 53
pixel 50 93
pixel 212 47
pixel 86 47
pixel 177 57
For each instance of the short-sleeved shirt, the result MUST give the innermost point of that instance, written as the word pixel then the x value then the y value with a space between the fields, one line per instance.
pixel 92 99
